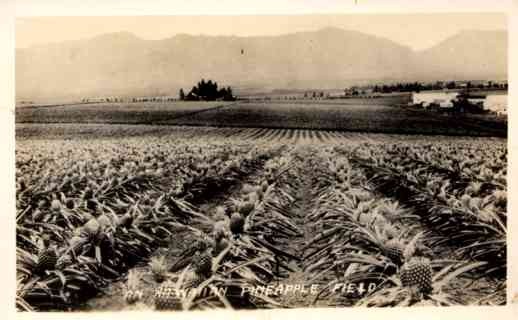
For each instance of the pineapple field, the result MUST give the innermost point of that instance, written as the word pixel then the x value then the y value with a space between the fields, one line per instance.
pixel 144 217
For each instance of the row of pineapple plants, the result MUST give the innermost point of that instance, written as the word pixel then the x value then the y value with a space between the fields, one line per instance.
pixel 477 169
pixel 94 237
pixel 235 253
pixel 471 222
pixel 109 166
pixel 371 239
pixel 361 238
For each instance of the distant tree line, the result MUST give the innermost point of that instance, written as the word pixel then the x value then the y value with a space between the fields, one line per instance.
pixel 439 85
pixel 207 91
pixel 128 99
pixel 314 94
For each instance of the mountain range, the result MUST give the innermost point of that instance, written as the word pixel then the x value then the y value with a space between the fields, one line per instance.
pixel 124 65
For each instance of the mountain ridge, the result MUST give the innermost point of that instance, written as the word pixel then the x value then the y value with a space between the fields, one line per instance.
pixel 121 63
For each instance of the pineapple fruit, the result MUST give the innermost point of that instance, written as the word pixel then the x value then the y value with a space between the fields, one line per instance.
pixel 245 208
pixel 394 250
pixel 166 297
pixel 220 244
pixel 132 293
pixel 237 223
pixel 47 259
pixel 417 273
pixel 69 204
pixel 47 256
pixel 202 264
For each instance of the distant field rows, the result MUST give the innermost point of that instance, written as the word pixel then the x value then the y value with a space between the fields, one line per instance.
pixel 254 135
pixel 146 112
pixel 294 115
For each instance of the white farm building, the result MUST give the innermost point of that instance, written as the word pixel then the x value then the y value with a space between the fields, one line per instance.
pixel 441 99
pixel 496 103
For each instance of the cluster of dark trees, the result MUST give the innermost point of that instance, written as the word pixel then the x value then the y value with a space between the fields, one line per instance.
pixel 405 87
pixel 207 91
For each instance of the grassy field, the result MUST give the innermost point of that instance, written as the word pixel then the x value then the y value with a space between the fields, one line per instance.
pixel 363 118
pixel 143 112
pixel 321 115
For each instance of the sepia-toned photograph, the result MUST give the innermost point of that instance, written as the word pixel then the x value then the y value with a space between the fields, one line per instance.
pixel 261 162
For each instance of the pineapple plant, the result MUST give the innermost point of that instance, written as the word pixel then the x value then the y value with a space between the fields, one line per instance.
pixel 203 243
pixel 63 261
pixel 219 230
pixel 248 188
pixel 55 205
pixel 126 220
pixel 104 222
pixel 264 186
pixel 92 206
pixel 390 231
pixel 256 196
pixel 245 208
pixel 92 228
pixel 220 245
pixel 192 280
pixel 473 188
pixel 132 294
pixel 202 263
pixel 220 213
pixel 158 268
pixel 76 244
pixel 500 199
pixel 47 257
pixel 87 194
pixel 237 223
pixel 37 215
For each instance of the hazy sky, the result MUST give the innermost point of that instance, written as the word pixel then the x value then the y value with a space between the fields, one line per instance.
pixel 417 31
